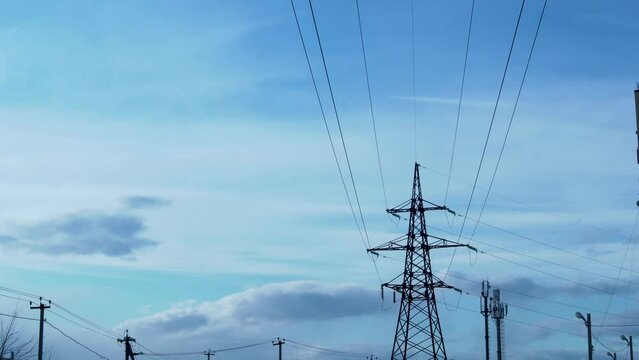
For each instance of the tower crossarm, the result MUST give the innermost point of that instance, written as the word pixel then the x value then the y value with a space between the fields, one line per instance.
pixel 445 243
pixel 402 208
pixel 396 244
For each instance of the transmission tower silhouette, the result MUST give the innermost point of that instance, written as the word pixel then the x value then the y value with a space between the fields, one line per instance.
pixel 418 334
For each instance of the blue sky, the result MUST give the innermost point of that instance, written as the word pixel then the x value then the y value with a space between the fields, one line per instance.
pixel 164 168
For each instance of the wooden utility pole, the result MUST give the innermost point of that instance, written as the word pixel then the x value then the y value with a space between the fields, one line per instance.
pixel 128 349
pixel 279 344
pixel 40 307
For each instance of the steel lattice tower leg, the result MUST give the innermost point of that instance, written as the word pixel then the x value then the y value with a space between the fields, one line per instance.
pixel 418 334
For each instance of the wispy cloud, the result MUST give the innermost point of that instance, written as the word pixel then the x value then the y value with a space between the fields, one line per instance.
pixel 114 235
pixel 447 101
pixel 139 202
pixel 117 234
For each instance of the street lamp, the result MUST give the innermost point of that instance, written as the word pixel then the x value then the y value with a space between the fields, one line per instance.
pixel 588 322
pixel 612 355
pixel 628 341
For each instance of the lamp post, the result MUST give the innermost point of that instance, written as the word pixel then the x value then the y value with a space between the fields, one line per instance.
pixel 588 322
pixel 612 355
pixel 628 341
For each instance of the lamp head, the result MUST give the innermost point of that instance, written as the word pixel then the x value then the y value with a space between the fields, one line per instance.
pixel 624 338
pixel 580 316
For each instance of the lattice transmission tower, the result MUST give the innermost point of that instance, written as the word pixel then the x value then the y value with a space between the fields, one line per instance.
pixel 418 334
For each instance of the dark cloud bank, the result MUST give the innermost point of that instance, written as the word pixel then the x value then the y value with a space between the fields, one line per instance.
pixel 117 234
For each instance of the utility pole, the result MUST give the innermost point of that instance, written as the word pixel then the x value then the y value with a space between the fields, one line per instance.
pixel 128 350
pixel 637 114
pixel 40 307
pixel 209 354
pixel 628 341
pixel 279 344
pixel 588 322
pixel 499 312
pixel 418 334
pixel 485 311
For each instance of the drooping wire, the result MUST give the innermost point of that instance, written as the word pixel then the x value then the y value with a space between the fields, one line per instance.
pixel 85 320
pixel 329 351
pixel 365 240
pixel 101 333
pixel 608 348
pixel 512 116
pixel 330 137
pixel 77 342
pixel 614 288
pixel 339 124
pixel 547 273
pixel 370 103
pixel 492 121
pixel 528 296
pixel 547 211
pixel 186 353
pixel 21 293
pixel 19 317
pixel 459 104
pixel 539 298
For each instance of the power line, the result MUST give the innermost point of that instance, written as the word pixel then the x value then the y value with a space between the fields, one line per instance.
pixel 153 353
pixel 614 289
pixel 461 95
pixel 544 299
pixel 542 271
pixel 490 128
pixel 330 351
pixel 14 298
pixel 533 207
pixel 339 124
pixel 21 293
pixel 530 296
pixel 592 273
pixel 608 348
pixel 83 326
pixel 18 317
pixel 370 102
pixel 512 116
pixel 89 322
pixel 523 322
pixel 330 137
pixel 77 342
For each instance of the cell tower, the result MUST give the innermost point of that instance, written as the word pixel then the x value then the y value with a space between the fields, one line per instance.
pixel 418 333
pixel 499 311
pixel 485 311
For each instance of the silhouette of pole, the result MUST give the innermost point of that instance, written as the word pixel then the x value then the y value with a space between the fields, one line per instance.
pixel 485 291
pixel 637 114
pixel 279 344
pixel 209 354
pixel 128 350
pixel 628 341
pixel 40 307
pixel 588 322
